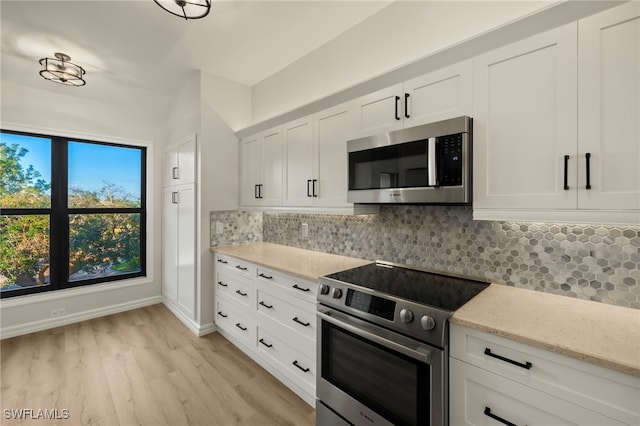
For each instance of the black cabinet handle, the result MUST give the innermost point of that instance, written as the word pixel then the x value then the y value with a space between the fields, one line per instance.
pixel 300 288
pixel 306 370
pixel 488 413
pixel 260 191
pixel 308 187
pixel 241 327
pixel 242 268
pixel 222 261
pixel 527 365
pixel 566 172
pixel 268 277
pixel 264 343
pixel 265 305
pixel 406 105
pixel 241 293
pixel 313 186
pixel 220 283
pixel 255 191
pixel 588 157
pixel 222 315
pixel 304 324
pixel 397 100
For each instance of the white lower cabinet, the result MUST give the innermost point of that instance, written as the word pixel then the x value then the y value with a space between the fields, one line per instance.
pixel 271 316
pixel 493 380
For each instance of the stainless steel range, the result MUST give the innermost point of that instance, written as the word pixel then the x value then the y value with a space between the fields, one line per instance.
pixel 383 338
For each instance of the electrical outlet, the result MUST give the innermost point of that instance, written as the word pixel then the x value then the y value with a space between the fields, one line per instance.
pixel 219 228
pixel 304 230
pixel 58 312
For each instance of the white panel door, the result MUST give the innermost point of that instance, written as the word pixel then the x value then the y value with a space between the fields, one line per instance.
pixel 609 108
pixel 379 112
pixel 332 131
pixel 187 161
pixel 525 122
pixel 186 246
pixel 169 245
pixel 298 146
pixel 250 170
pixel 272 168
pixel 445 93
pixel 169 167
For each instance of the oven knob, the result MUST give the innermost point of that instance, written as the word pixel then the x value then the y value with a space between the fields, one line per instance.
pixel 337 293
pixel 427 323
pixel 324 289
pixel 406 315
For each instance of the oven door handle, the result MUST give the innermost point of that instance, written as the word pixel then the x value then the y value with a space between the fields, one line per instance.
pixel 421 353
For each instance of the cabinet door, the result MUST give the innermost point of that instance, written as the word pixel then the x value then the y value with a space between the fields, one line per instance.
pixel 379 112
pixel 251 170
pixel 298 146
pixel 169 245
pixel 186 243
pixel 169 167
pixel 442 94
pixel 271 190
pixel 525 122
pixel 332 132
pixel 609 108
pixel 186 153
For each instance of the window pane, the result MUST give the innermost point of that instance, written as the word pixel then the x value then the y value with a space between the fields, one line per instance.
pixel 24 251
pixel 104 175
pixel 103 245
pixel 25 171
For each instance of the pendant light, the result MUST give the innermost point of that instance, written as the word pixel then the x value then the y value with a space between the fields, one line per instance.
pixel 60 70
pixel 187 9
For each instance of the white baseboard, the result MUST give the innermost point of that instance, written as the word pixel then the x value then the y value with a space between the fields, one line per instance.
pixel 40 325
pixel 194 327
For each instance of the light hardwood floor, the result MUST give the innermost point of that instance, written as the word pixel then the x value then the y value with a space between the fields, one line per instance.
pixel 141 367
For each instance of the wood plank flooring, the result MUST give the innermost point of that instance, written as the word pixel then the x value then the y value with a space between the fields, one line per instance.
pixel 141 367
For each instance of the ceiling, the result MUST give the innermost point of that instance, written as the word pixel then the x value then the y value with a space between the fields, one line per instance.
pixel 132 49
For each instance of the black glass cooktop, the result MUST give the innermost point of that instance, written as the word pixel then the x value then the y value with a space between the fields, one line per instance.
pixel 440 291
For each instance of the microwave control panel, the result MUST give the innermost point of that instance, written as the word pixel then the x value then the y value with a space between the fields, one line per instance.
pixel 451 160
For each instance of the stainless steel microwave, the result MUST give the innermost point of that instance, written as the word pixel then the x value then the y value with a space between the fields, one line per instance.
pixel 427 164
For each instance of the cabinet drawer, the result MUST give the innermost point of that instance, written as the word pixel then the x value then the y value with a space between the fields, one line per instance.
pixel 235 287
pixel 605 391
pixel 303 289
pixel 296 365
pixel 235 265
pixel 301 319
pixel 230 319
pixel 479 397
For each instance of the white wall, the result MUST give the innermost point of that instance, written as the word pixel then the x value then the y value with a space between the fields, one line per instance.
pixel 54 113
pixel 229 100
pixel 401 33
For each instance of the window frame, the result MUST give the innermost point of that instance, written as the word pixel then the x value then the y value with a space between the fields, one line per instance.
pixel 59 213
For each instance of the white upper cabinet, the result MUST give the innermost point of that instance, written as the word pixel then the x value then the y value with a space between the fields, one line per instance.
pixel 609 108
pixel 445 93
pixel 261 169
pixel 250 170
pixel 299 153
pixel 556 124
pixel 525 123
pixel 179 163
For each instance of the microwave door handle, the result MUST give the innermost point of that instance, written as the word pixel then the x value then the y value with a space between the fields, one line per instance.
pixel 424 357
pixel 432 162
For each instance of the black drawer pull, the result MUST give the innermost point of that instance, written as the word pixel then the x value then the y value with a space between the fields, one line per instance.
pixel 222 261
pixel 588 157
pixel 265 305
pixel 566 173
pixel 221 284
pixel 306 370
pixel 488 413
pixel 242 268
pixel 222 315
pixel 397 115
pixel 304 324
pixel 241 293
pixel 264 343
pixel 527 365
pixel 267 277
pixel 406 105
pixel 300 288
pixel 241 327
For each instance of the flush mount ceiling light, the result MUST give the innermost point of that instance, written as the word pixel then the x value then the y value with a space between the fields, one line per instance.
pixel 187 9
pixel 60 70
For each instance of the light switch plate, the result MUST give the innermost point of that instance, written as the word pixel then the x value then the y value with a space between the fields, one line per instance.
pixel 219 228
pixel 304 230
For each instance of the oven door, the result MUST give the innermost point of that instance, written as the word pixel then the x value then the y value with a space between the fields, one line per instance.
pixel 371 376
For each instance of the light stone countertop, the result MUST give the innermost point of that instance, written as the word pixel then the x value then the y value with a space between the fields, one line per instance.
pixel 302 263
pixel 599 333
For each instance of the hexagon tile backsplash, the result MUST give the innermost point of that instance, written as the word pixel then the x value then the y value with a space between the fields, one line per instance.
pixel 600 263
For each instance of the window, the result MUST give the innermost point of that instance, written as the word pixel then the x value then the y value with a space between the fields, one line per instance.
pixel 72 212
